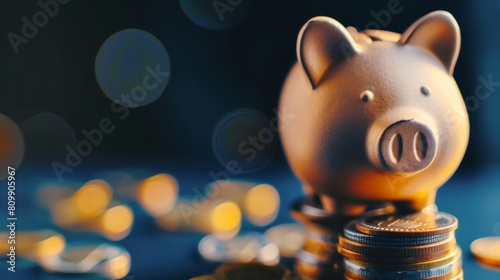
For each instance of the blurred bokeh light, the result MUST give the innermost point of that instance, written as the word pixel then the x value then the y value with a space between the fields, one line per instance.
pixel 220 217
pixel 158 194
pixel 34 244
pixel 262 204
pixel 115 223
pixel 90 208
pixel 91 199
pixel 259 202
pixel 132 68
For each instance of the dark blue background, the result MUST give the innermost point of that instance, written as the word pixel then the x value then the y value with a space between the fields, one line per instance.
pixel 214 72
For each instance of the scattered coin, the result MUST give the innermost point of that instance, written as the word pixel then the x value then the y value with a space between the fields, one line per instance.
pixel 290 238
pixel 243 248
pixel 487 250
pixel 104 259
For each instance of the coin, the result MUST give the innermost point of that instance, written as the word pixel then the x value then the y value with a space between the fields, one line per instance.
pixel 422 223
pixel 445 271
pixel 390 251
pixel 395 260
pixel 288 237
pixel 252 271
pixel 457 253
pixel 352 234
pixel 487 250
pixel 244 248
pixel 323 251
pixel 459 276
pixel 105 259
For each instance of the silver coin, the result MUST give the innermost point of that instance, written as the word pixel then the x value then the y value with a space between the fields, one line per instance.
pixel 104 259
pixel 243 248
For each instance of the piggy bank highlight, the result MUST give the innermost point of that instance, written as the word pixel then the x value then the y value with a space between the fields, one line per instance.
pixel 378 115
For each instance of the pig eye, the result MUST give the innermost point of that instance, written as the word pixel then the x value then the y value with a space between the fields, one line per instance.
pixel 366 96
pixel 425 91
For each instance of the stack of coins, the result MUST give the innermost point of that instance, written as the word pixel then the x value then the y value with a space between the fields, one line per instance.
pixel 413 246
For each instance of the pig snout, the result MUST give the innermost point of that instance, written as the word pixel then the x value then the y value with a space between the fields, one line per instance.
pixel 406 145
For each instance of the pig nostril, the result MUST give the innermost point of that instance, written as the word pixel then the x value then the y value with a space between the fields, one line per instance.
pixel 396 144
pixel 421 146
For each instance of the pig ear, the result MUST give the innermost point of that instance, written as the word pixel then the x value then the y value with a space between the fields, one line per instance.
pixel 437 32
pixel 323 42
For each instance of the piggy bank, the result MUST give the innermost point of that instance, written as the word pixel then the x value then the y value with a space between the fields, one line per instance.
pixel 378 116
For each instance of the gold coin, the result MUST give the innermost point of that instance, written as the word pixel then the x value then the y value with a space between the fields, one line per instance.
pixel 460 276
pixel 454 255
pixel 487 250
pixel 401 251
pixel 393 260
pixel 422 223
pixel 252 271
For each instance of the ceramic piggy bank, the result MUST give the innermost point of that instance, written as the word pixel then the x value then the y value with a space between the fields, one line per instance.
pixel 378 115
